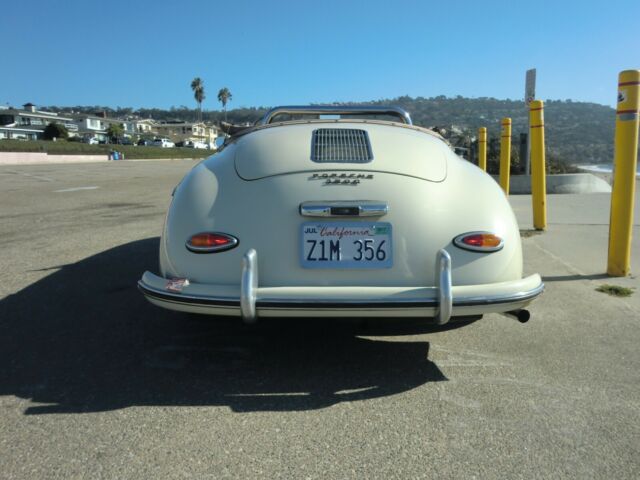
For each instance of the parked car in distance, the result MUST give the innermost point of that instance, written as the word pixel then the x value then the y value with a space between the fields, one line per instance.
pixel 336 217
pixel 91 141
pixel 163 142
pixel 191 144
pixel 144 141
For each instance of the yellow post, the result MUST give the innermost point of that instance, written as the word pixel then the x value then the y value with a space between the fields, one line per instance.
pixel 538 174
pixel 624 173
pixel 505 154
pixel 482 148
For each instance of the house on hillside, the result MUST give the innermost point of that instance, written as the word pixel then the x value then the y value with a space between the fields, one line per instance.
pixel 187 131
pixel 145 126
pixel 91 126
pixel 96 126
pixel 29 123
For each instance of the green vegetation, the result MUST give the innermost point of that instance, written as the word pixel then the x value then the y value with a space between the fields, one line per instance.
pixel 526 233
pixel 197 85
pixel 55 130
pixel 62 147
pixel 576 132
pixel 115 131
pixel 224 95
pixel 615 290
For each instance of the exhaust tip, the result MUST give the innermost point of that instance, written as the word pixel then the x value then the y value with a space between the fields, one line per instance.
pixel 521 315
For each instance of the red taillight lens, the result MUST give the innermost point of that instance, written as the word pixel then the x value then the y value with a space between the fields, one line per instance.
pixel 209 242
pixel 479 241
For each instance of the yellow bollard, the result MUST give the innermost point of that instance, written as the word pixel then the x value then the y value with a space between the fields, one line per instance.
pixel 538 174
pixel 505 154
pixel 482 148
pixel 624 173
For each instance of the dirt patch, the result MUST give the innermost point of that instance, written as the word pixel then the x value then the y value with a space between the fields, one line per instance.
pixel 529 233
pixel 615 290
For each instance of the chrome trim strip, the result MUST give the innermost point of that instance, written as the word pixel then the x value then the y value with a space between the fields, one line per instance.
pixel 457 241
pixel 366 208
pixel 445 297
pixel 187 299
pixel 249 286
pixel 285 303
pixel 310 209
pixel 402 114
pixel 501 299
pixel 457 302
pixel 374 210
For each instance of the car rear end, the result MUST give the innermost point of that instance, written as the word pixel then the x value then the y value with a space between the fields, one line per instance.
pixel 340 219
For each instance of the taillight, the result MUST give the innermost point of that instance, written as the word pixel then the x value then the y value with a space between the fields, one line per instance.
pixel 479 241
pixel 211 242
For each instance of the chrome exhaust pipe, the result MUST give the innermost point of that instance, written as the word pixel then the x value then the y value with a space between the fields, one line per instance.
pixel 521 315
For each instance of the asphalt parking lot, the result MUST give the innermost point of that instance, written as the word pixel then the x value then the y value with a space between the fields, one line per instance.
pixel 97 383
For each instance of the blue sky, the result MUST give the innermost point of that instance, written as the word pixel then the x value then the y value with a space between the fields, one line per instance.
pixel 145 53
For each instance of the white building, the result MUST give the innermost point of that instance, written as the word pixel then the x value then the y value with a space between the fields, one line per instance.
pixel 187 131
pixel 97 125
pixel 29 123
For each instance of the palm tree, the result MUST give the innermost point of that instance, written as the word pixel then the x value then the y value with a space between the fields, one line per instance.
pixel 224 95
pixel 197 85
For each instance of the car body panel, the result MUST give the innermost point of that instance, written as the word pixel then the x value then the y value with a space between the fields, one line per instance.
pixel 275 228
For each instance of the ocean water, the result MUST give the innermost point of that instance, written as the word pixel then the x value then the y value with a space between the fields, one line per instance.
pixel 604 168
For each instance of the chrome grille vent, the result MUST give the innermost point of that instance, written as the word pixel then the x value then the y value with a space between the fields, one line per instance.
pixel 340 145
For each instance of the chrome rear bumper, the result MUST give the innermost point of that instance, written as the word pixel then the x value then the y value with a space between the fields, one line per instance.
pixel 250 301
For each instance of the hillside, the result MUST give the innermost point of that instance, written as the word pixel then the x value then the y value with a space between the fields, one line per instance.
pixel 576 132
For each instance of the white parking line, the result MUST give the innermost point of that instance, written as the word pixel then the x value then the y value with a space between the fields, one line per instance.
pixel 76 189
pixel 37 177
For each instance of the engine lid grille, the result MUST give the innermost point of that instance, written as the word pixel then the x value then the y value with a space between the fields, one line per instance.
pixel 340 145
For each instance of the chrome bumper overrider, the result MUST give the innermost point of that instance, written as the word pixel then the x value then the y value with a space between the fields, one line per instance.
pixel 249 300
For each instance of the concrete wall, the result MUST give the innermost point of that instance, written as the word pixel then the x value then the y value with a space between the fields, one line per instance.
pixel 563 183
pixel 37 158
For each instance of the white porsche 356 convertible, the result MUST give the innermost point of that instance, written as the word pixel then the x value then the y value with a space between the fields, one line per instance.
pixel 340 216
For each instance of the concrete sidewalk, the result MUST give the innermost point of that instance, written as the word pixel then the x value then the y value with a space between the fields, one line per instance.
pixel 577 241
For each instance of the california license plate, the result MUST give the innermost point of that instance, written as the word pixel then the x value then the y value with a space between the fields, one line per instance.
pixel 346 245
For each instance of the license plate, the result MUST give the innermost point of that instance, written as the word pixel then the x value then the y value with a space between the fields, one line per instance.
pixel 346 245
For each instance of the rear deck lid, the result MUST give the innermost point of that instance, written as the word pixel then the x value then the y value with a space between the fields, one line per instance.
pixel 353 147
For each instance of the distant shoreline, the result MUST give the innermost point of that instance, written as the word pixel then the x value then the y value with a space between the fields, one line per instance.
pixel 606 176
pixel 602 170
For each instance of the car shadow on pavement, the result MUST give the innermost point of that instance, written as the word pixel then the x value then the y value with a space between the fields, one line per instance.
pixel 83 339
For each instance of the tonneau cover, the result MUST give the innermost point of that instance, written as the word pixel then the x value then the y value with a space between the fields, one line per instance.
pixel 286 149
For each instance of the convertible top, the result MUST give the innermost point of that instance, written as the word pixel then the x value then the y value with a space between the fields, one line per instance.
pixel 236 131
pixel 349 112
pixel 400 113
